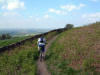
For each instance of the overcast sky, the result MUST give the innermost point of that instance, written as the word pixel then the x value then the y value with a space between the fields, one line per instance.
pixel 48 13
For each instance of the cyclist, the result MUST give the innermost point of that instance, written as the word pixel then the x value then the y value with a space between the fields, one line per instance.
pixel 41 46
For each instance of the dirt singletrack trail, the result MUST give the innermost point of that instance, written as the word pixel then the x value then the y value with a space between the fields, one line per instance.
pixel 41 66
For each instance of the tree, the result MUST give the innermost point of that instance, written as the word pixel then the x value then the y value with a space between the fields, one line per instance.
pixel 8 36
pixel 69 26
pixel 5 36
pixel 0 37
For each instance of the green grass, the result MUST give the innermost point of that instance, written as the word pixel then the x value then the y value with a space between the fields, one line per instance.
pixel 21 60
pixel 11 41
pixel 75 52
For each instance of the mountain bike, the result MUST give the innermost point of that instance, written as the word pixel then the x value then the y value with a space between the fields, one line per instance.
pixel 41 57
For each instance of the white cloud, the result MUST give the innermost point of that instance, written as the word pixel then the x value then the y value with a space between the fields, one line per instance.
pixel 72 7
pixel 54 11
pixel 1 1
pixel 10 14
pixel 95 0
pixel 37 19
pixel 30 16
pixel 12 4
pixel 60 12
pixel 46 16
pixel 93 17
pixel 3 7
pixel 64 9
pixel 22 4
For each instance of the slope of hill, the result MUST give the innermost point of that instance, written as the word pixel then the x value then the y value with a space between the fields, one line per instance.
pixel 76 52
pixel 12 40
pixel 21 60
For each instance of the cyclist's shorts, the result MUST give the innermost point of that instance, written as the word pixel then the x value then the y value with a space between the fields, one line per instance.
pixel 42 48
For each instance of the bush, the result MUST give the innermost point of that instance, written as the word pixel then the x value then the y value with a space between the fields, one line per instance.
pixel 5 36
pixel 69 26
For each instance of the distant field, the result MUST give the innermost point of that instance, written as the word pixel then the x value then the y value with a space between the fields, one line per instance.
pixel 19 34
pixel 23 32
pixel 11 41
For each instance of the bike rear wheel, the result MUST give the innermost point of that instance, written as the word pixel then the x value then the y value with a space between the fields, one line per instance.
pixel 41 56
pixel 41 53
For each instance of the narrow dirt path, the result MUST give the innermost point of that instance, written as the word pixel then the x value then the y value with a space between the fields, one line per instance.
pixel 41 66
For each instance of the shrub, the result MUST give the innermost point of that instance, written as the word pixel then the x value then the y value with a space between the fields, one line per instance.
pixel 5 36
pixel 69 26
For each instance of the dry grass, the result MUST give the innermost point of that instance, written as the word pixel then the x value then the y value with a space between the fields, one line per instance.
pixel 80 47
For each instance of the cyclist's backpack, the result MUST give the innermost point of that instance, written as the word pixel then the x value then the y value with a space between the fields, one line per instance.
pixel 41 40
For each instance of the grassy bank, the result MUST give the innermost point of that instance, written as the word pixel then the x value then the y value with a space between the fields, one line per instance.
pixel 11 41
pixel 21 60
pixel 76 52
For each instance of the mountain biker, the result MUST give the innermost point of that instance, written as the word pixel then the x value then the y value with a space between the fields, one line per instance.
pixel 41 45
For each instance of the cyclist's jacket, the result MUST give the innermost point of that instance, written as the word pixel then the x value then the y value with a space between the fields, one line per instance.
pixel 41 42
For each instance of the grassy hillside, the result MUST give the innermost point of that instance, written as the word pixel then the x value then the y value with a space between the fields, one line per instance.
pixel 76 52
pixel 21 60
pixel 11 41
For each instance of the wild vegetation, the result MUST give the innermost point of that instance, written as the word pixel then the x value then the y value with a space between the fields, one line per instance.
pixel 5 36
pixel 11 41
pixel 69 26
pixel 21 60
pixel 76 52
